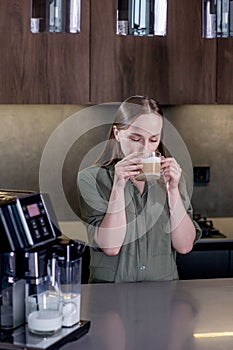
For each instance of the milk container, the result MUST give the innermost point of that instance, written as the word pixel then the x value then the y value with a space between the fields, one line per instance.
pixel 69 264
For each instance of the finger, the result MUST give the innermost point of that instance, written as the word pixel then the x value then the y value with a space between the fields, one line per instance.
pixel 170 163
pixel 130 166
pixel 171 170
pixel 128 171
pixel 135 167
pixel 131 155
pixel 132 163
pixel 130 159
pixel 167 161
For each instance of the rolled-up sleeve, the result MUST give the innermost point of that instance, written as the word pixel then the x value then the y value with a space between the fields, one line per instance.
pixel 92 202
pixel 188 207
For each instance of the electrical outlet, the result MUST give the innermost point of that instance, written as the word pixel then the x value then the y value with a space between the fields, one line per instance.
pixel 201 174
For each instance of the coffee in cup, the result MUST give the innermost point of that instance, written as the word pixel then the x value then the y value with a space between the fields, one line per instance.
pixel 151 166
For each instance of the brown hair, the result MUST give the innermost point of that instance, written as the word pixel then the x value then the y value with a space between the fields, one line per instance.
pixel 126 114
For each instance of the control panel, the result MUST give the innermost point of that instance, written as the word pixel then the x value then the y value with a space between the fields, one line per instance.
pixel 35 219
pixel 27 220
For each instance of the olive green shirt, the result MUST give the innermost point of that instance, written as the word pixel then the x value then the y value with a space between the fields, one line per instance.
pixel 147 253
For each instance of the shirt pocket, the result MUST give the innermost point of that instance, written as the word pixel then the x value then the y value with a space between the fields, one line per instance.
pixel 103 267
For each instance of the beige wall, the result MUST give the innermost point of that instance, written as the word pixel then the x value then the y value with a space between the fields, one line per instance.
pixel 24 132
pixel 206 130
pixel 77 230
pixel 208 133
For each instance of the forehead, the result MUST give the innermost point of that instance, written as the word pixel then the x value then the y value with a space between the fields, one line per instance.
pixel 147 123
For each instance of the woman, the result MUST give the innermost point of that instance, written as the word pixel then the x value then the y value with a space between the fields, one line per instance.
pixel 135 227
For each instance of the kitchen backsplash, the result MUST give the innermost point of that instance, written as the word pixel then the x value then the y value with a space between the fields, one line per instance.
pixel 207 131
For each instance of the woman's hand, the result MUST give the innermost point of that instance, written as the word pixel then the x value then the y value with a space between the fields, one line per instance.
pixel 171 172
pixel 127 168
pixel 183 232
pixel 112 231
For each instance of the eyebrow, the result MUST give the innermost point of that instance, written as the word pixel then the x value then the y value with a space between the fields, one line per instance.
pixel 136 134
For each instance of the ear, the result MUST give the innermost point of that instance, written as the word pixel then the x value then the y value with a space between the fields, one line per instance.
pixel 116 133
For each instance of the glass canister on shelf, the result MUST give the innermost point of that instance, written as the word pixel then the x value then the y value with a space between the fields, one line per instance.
pixel 231 18
pixel 73 16
pixel 209 19
pixel 142 17
pixel 122 22
pixel 55 16
pixel 55 19
pixel 225 18
pixel 217 18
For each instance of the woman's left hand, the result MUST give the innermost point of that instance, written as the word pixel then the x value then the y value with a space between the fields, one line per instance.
pixel 171 172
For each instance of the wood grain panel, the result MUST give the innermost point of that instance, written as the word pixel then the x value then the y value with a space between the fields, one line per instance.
pixel 44 67
pixel 225 71
pixel 191 59
pixel 178 68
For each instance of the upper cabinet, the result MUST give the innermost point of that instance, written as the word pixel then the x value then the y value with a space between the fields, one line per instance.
pixel 178 68
pixel 96 65
pixel 42 67
pixel 225 71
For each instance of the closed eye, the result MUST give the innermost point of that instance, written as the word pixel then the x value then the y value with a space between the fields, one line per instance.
pixel 135 139
pixel 154 140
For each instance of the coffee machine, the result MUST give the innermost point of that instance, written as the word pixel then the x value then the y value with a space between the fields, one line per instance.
pixel 30 237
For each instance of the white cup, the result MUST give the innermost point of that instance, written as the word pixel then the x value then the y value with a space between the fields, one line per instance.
pixel 71 309
pixel 35 25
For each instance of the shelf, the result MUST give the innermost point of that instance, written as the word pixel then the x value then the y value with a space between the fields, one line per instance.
pixel 141 17
pixel 55 16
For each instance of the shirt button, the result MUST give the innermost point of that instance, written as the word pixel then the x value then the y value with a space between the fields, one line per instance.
pixel 142 267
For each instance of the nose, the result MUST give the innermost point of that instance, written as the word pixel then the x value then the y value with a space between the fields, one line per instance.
pixel 146 147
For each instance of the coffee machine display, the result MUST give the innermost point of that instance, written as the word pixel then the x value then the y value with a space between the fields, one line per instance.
pixel 31 243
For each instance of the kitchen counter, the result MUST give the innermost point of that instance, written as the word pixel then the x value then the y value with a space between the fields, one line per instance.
pixel 210 257
pixel 174 315
pixel 77 230
pixel 215 227
pixel 224 225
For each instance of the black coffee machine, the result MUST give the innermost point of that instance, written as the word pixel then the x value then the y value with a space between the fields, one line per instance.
pixel 29 235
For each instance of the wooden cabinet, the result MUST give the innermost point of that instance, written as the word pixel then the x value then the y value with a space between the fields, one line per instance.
pixel 97 66
pixel 225 71
pixel 44 67
pixel 176 69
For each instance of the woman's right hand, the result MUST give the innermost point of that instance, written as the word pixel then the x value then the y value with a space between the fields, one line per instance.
pixel 110 234
pixel 127 168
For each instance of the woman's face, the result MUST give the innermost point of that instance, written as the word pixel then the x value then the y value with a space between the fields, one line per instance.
pixel 143 135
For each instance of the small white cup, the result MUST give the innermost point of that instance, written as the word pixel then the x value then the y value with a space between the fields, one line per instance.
pixel 71 309
pixel 122 27
pixel 35 25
